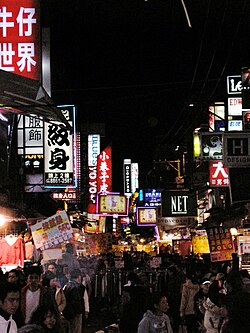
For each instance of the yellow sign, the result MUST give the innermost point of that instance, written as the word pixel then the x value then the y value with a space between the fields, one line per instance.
pixel 200 244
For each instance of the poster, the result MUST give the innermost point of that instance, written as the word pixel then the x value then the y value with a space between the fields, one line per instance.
pixel 220 244
pixel 52 231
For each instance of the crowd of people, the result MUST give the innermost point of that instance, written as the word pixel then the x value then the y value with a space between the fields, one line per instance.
pixel 197 297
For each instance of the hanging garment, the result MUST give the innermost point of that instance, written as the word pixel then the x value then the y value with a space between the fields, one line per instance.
pixel 11 251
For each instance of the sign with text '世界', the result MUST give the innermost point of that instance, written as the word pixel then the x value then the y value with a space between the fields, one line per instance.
pixel 20 37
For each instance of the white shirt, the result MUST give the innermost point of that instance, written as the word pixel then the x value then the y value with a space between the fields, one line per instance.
pixel 32 302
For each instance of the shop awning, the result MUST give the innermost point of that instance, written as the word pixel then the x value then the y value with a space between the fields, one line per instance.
pixel 19 94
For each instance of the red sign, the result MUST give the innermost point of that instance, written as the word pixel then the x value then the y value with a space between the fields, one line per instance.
pixel 104 171
pixel 218 175
pixel 20 37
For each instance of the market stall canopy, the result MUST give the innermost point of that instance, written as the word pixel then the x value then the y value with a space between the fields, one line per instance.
pixel 19 94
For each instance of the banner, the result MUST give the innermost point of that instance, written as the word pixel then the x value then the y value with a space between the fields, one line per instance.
pixel 52 231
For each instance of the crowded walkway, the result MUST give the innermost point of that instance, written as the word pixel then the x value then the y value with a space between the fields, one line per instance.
pixel 188 294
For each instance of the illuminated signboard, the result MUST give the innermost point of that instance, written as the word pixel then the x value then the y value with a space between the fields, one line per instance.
pixel 208 146
pixel 235 125
pixel 150 197
pixel 20 37
pixel 93 152
pixel 218 175
pixel 104 170
pixel 134 177
pixel 112 203
pixel 146 216
pixel 234 106
pixel 234 84
pixel 127 176
pixel 60 152
pixel 178 203
pixel 30 135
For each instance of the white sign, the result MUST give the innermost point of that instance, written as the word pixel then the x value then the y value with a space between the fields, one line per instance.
pixel 30 135
pixel 234 84
pixel 235 125
pixel 235 106
pixel 52 231
pixel 236 150
pixel 59 151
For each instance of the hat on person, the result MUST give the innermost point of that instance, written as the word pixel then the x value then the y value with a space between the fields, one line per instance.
pixel 205 281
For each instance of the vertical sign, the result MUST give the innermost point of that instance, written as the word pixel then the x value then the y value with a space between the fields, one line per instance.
pixel 220 244
pixel 134 177
pixel 60 151
pixel 93 152
pixel 20 37
pixel 127 176
pixel 30 134
pixel 104 171
pixel 218 174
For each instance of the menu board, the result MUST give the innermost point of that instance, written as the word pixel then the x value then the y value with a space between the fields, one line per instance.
pixel 220 244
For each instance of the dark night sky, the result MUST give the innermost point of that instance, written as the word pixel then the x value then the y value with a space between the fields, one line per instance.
pixel 136 65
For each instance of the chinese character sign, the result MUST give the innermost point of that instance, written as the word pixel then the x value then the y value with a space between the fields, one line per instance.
pixel 104 171
pixel 218 174
pixel 59 152
pixel 20 37
pixel 220 244
pixel 30 135
pixel 52 231
pixel 93 152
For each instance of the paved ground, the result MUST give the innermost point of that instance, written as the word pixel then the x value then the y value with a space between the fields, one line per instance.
pixel 100 317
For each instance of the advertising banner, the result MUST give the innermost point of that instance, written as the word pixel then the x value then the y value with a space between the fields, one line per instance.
pixel 220 244
pixel 52 231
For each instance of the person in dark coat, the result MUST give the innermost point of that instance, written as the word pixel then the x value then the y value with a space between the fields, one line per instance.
pixel 74 293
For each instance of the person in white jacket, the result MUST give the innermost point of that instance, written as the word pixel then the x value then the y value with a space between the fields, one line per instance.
pixel 9 302
pixel 156 320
